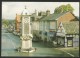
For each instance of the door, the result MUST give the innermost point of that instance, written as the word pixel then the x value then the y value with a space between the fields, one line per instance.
pixel 69 41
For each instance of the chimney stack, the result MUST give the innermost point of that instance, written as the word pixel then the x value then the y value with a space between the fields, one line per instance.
pixel 36 12
pixel 48 12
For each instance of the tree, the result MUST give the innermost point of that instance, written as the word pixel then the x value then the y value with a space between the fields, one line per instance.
pixel 5 22
pixel 69 7
pixel 63 8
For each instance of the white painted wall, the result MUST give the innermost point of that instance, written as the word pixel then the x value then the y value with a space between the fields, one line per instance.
pixel 35 25
pixel 61 40
pixel 76 41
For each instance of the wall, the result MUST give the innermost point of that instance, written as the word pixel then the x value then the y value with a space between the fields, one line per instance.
pixel 76 41
pixel 52 25
pixel 61 40
pixel 44 27
pixel 18 17
pixel 35 29
pixel 35 25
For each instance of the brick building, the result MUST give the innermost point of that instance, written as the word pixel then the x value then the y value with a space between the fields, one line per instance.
pixel 66 17
pixel 18 21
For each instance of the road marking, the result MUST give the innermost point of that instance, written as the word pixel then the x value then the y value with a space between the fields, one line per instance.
pixel 67 53
pixel 70 54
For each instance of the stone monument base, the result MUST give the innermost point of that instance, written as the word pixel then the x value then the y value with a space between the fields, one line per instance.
pixel 26 50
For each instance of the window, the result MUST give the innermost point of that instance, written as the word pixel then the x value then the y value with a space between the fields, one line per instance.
pixel 46 27
pixel 40 26
pixel 52 34
pixel 52 25
pixel 32 18
pixel 40 32
pixel 39 14
pixel 45 33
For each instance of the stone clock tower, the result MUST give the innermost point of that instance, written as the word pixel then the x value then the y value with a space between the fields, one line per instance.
pixel 26 36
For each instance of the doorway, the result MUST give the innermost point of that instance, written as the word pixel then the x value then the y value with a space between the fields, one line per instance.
pixel 70 41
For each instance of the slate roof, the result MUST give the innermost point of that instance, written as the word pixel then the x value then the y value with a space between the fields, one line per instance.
pixel 53 16
pixel 71 27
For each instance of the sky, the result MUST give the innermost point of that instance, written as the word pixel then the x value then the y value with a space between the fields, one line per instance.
pixel 10 9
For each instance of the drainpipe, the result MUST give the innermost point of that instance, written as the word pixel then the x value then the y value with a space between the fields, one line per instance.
pixel 56 32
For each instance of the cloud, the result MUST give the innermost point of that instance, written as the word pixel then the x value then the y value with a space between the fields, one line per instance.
pixel 4 10
pixel 9 9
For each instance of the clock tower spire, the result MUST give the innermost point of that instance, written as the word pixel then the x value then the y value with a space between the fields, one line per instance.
pixel 26 35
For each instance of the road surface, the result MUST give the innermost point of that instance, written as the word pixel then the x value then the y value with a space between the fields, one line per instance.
pixel 9 42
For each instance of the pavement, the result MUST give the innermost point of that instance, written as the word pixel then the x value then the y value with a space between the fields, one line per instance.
pixel 9 42
pixel 72 51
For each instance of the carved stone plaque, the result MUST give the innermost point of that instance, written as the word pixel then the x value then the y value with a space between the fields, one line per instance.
pixel 26 25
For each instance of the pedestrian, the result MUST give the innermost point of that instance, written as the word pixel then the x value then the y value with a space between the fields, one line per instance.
pixel 35 49
pixel 19 49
